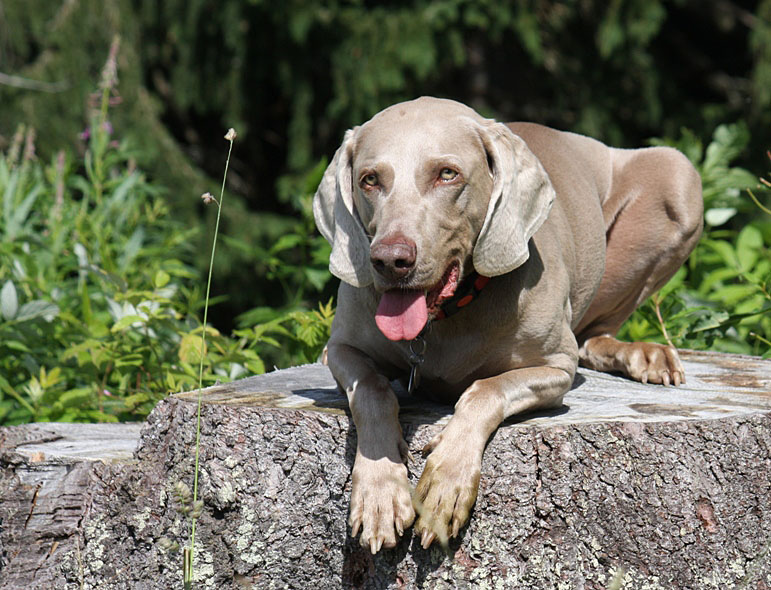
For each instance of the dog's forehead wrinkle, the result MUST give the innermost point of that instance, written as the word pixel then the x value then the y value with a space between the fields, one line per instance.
pixel 427 106
pixel 419 127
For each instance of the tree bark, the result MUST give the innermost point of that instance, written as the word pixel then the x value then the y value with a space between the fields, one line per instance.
pixel 660 487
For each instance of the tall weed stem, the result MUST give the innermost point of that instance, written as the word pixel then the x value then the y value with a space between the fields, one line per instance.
pixel 188 565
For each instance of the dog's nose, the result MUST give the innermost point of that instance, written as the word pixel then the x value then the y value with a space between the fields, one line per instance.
pixel 393 257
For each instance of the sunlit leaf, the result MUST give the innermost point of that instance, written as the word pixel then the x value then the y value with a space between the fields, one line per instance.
pixel 719 215
pixel 9 301
pixel 127 321
pixel 38 309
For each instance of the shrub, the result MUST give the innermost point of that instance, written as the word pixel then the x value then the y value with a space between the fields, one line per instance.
pixel 99 299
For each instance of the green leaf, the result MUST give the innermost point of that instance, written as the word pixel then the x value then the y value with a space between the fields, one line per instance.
pixel 161 279
pixel 709 320
pixel 6 387
pixel 313 178
pixel 610 33
pixel 74 397
pixel 119 194
pixel 256 366
pixel 286 242
pixel 317 277
pixel 132 401
pixel 725 250
pixel 38 309
pixel 190 348
pixel 716 277
pixel 9 301
pixel 16 345
pixel 129 360
pixel 96 416
pixel 728 142
pixel 131 248
pixel 125 322
pixel 82 254
pixel 719 215
pixel 732 294
pixel 748 246
pixel 674 284
pixel 20 213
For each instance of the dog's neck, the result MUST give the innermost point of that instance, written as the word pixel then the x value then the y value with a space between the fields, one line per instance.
pixel 468 290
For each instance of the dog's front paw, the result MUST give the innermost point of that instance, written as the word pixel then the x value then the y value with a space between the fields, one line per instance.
pixel 447 489
pixel 381 506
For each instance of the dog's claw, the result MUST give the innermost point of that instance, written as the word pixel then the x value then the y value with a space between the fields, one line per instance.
pixel 427 538
pixel 355 526
pixel 399 525
pixel 375 544
pixel 404 452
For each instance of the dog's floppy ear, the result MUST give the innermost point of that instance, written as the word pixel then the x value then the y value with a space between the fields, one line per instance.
pixel 338 221
pixel 520 202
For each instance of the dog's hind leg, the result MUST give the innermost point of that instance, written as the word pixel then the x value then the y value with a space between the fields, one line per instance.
pixel 654 218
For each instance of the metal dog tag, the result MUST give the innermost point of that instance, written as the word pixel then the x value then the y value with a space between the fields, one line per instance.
pixel 412 385
pixel 417 351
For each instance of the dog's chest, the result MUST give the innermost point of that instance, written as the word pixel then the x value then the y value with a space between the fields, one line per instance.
pixel 445 361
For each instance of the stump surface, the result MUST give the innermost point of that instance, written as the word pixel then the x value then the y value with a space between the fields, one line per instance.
pixel 670 485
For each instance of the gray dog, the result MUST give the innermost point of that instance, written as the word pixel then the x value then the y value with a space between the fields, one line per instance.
pixel 523 248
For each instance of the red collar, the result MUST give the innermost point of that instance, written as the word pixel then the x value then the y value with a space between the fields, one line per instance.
pixel 467 291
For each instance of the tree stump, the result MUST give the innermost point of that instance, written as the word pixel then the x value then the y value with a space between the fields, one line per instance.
pixel 641 485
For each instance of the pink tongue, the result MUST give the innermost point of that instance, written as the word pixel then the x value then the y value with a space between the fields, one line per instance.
pixel 401 315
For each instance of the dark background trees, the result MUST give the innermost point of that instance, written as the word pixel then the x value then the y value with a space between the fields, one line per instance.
pixel 291 76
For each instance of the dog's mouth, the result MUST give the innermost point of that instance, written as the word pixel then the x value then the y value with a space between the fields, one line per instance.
pixel 403 313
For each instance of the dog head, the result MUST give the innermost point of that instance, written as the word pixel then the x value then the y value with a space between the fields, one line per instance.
pixel 422 194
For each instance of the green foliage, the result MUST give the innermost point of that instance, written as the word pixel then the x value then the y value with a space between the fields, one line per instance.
pixel 99 300
pixel 721 299
pixel 88 275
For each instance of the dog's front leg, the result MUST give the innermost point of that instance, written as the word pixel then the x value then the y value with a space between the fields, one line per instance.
pixel 380 494
pixel 448 487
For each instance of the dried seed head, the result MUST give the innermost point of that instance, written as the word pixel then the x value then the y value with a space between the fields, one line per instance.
pixel 197 509
pixel 168 545
pixel 231 134
pixel 182 492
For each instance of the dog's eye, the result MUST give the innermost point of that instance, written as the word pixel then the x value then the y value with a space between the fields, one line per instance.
pixel 447 174
pixel 369 181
